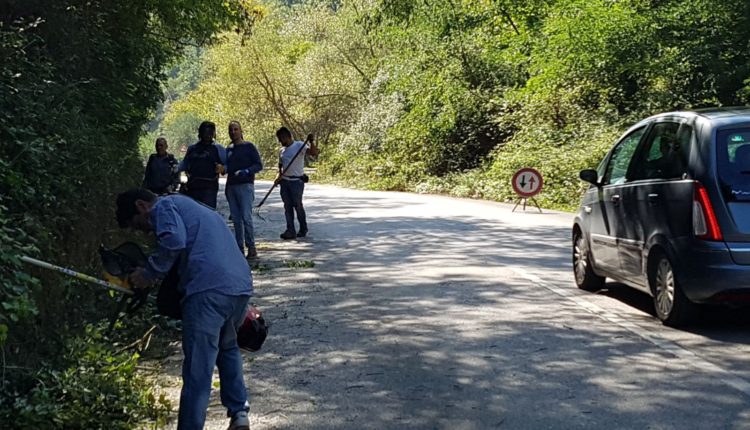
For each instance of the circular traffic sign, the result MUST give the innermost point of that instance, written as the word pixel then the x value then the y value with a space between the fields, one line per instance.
pixel 527 182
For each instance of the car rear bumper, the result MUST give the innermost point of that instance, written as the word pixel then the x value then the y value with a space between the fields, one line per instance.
pixel 708 274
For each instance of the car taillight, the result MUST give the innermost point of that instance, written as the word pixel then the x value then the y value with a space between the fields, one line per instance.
pixel 705 224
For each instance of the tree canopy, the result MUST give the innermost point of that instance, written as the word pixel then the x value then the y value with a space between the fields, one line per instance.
pixel 453 96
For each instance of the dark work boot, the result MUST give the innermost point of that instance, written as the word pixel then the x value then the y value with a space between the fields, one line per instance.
pixel 302 233
pixel 287 235
pixel 239 421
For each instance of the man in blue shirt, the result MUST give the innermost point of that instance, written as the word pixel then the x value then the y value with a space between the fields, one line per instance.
pixel 243 162
pixel 203 163
pixel 217 284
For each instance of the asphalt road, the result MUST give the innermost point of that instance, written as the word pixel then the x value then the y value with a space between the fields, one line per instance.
pixel 429 312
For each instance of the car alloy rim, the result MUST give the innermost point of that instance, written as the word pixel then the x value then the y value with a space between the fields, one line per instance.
pixel 665 286
pixel 579 259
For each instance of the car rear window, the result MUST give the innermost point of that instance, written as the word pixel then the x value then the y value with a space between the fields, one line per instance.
pixel 733 148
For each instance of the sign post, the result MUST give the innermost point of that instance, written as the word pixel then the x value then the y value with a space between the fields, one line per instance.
pixel 527 183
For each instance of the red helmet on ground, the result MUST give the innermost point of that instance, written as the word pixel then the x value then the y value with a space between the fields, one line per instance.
pixel 253 331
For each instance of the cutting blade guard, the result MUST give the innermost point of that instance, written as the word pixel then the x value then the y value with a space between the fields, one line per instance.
pixel 122 260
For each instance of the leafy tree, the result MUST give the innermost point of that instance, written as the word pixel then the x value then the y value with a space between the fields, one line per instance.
pixel 79 80
pixel 422 95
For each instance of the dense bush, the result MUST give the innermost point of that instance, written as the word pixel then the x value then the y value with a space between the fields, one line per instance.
pixel 78 80
pixel 91 386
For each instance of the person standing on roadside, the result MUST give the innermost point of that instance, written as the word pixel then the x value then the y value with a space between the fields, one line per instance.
pixel 243 162
pixel 204 163
pixel 290 177
pixel 161 175
pixel 217 285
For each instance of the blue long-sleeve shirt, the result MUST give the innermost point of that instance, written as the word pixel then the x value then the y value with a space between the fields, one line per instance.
pixel 243 162
pixel 200 238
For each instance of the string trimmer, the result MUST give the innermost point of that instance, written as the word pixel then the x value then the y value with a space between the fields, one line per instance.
pixel 118 264
pixel 256 209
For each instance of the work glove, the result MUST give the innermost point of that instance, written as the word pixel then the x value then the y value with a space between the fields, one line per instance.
pixel 220 169
pixel 138 279
pixel 242 173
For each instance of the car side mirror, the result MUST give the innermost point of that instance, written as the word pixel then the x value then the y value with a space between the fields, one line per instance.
pixel 590 176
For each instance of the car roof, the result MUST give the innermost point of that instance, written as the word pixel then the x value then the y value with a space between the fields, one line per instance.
pixel 717 116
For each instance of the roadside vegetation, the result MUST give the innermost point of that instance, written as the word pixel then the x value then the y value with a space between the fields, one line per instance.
pixel 453 96
pixel 439 96
pixel 78 80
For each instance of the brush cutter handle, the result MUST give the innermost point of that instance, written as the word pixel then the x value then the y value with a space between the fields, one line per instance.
pixel 266 196
pixel 309 139
pixel 77 275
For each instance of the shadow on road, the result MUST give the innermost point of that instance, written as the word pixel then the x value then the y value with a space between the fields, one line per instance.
pixel 413 319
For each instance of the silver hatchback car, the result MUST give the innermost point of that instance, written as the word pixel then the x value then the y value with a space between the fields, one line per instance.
pixel 668 213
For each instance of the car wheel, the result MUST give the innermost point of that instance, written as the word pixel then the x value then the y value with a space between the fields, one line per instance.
pixel 673 308
pixel 586 279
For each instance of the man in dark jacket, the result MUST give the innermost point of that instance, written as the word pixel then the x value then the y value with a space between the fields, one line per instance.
pixel 161 175
pixel 204 163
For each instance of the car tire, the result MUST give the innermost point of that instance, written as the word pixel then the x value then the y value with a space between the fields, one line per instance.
pixel 672 307
pixel 584 274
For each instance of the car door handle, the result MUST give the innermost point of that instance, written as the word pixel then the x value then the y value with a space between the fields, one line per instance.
pixel 653 198
pixel 615 199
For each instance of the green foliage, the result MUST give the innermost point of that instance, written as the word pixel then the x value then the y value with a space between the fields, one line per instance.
pixel 16 303
pixel 77 83
pixel 447 96
pixel 92 387
pixel 299 264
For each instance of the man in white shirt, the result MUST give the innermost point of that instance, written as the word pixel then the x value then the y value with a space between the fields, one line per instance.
pixel 291 172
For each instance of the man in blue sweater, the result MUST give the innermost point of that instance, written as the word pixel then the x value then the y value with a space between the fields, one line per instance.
pixel 243 162
pixel 217 284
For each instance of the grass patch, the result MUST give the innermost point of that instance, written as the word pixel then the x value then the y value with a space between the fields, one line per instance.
pixel 299 264
pixel 261 267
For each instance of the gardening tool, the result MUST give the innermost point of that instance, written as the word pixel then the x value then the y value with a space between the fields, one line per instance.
pixel 256 209
pixel 118 264
pixel 122 261
pixel 77 275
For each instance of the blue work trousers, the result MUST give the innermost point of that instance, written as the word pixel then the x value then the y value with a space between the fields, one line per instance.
pixel 209 338
pixel 207 196
pixel 291 195
pixel 241 198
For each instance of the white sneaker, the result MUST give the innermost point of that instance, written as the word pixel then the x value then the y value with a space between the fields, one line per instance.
pixel 240 421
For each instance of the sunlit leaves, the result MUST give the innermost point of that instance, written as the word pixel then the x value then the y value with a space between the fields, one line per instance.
pixel 405 91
